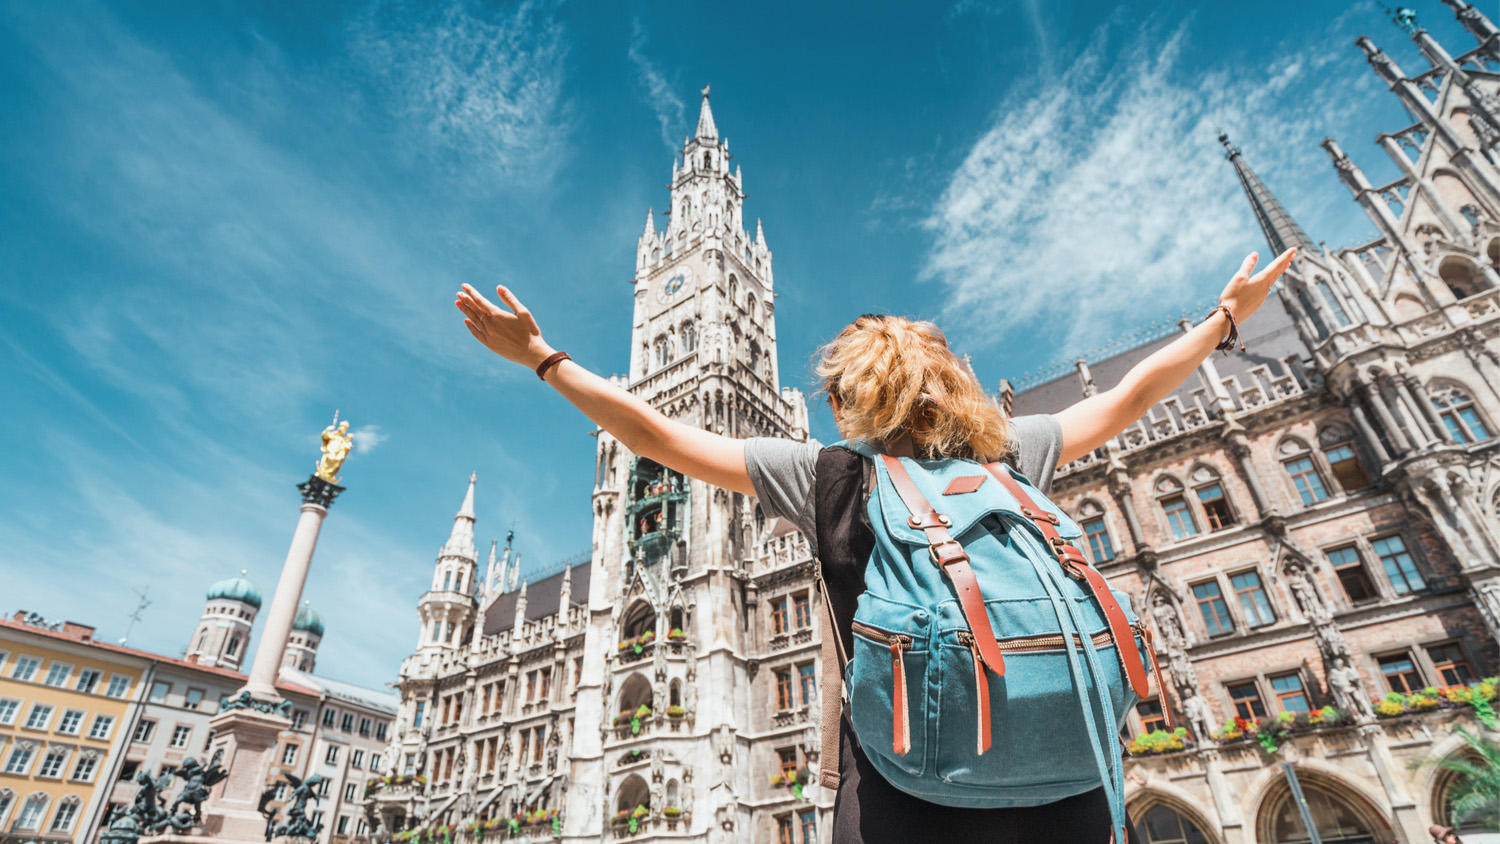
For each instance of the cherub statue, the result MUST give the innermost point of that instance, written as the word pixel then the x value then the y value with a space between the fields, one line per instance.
pixel 337 442
pixel 197 780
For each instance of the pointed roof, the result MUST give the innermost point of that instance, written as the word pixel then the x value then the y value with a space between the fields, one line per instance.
pixel 461 541
pixel 1282 232
pixel 650 222
pixel 707 131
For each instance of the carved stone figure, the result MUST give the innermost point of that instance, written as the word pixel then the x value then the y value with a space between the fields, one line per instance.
pixel 337 442
pixel 1200 719
pixel 1306 594
pixel 1348 690
pixel 1168 623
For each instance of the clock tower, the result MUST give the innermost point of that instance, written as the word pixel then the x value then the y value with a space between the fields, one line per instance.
pixel 675 571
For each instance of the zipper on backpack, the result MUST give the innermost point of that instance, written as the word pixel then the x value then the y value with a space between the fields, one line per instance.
pixel 881 636
pixel 1036 643
pixel 900 715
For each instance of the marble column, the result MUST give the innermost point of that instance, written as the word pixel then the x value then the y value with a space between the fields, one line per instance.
pixel 1362 422
pixel 1393 431
pixel 317 495
pixel 1414 412
pixel 1419 397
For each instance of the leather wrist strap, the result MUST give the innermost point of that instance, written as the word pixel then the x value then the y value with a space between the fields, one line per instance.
pixel 1227 344
pixel 552 360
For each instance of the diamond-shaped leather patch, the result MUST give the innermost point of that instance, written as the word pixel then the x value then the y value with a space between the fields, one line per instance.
pixel 966 484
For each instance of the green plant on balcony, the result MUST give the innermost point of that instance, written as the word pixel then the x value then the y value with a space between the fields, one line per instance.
pixel 672 812
pixel 674 711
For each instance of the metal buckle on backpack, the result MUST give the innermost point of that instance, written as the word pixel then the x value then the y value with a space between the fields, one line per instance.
pixel 1070 562
pixel 941 559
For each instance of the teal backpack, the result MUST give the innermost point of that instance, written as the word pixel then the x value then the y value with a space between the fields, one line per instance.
pixel 992 665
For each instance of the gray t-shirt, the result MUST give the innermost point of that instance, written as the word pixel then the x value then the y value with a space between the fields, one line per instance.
pixel 783 470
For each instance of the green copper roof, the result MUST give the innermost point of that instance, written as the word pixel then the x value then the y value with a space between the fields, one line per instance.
pixel 236 589
pixel 309 621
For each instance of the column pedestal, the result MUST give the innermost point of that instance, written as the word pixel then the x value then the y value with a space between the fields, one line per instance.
pixel 248 739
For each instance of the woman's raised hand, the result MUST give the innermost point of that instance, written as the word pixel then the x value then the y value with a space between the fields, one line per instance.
pixel 1245 293
pixel 511 334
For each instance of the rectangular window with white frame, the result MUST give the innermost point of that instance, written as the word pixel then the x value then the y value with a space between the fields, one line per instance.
pixel 101 728
pixel 192 699
pixel 88 680
pixel 19 761
pixel 332 756
pixel 52 764
pixel 350 793
pixel 343 827
pixel 289 755
pixel 144 730
pixel 4 660
pixel 40 716
pixel 26 668
pixel 9 709
pixel 71 723
pixel 85 769
pixel 358 759
pixel 32 812
pixel 159 692
pixel 181 735
pixel 58 674
pixel 119 686
pixel 67 813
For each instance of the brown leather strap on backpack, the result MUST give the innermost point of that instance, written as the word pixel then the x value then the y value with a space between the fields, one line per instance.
pixel 1078 568
pixel 948 555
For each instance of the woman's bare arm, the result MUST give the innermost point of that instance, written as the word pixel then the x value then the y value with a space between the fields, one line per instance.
pixel 513 334
pixel 1095 420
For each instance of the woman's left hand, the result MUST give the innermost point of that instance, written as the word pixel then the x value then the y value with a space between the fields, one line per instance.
pixel 1245 293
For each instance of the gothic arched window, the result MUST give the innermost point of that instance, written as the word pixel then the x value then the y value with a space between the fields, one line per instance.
pixel 1334 306
pixel 1303 472
pixel 708 161
pixel 689 337
pixel 1459 415
pixel 1174 506
pixel 1311 312
pixel 752 306
pixel 234 646
pixel 1471 214
pixel 687 211
pixel 734 289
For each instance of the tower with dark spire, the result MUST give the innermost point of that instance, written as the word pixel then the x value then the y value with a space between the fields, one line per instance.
pixel 1281 231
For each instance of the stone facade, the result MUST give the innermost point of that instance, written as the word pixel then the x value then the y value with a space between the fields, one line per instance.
pixel 1315 521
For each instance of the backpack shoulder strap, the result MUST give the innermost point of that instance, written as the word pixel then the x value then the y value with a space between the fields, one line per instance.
pixel 1078 568
pixel 949 556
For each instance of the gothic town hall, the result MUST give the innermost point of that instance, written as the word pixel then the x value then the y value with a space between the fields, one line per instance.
pixel 1312 527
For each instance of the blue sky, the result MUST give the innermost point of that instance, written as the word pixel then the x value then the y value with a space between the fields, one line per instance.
pixel 223 221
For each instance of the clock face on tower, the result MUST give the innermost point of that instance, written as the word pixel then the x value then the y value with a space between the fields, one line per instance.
pixel 674 284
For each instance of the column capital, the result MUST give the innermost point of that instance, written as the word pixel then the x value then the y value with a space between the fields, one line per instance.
pixel 317 491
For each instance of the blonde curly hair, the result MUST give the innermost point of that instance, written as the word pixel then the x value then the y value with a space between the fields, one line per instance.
pixel 892 375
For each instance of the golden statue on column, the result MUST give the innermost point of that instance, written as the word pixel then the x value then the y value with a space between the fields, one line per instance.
pixel 337 442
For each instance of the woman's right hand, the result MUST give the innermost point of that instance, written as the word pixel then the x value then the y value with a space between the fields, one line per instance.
pixel 511 334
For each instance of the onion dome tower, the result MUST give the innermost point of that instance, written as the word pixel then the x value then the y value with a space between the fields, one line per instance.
pixel 302 645
pixel 223 632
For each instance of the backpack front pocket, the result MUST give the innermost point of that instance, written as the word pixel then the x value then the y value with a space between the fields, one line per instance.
pixel 888 695
pixel 1029 722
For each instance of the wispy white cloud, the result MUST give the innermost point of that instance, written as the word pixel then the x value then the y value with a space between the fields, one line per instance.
pixel 368 437
pixel 658 92
pixel 1100 196
pixel 484 85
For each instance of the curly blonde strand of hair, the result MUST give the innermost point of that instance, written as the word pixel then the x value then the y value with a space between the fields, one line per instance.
pixel 892 375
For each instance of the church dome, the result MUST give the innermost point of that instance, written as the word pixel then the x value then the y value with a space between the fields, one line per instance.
pixel 236 589
pixel 308 621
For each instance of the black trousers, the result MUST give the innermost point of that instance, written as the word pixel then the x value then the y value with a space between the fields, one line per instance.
pixel 869 810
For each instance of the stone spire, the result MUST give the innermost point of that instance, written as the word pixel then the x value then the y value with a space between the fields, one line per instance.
pixel 564 600
pixel 760 234
pixel 707 131
pixel 520 618
pixel 461 541
pixel 515 571
pixel 489 571
pixel 1479 26
pixel 650 224
pixel 1282 232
